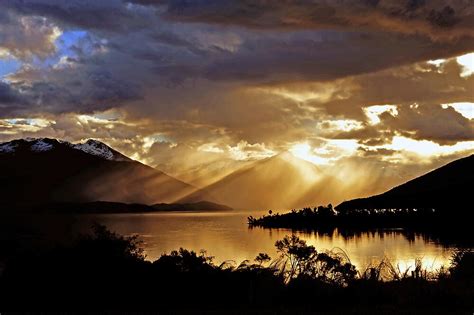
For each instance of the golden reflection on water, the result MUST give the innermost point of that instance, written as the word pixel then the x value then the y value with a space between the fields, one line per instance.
pixel 226 236
pixel 369 248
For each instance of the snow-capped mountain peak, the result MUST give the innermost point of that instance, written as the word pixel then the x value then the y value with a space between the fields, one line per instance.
pixel 7 147
pixel 100 149
pixel 41 145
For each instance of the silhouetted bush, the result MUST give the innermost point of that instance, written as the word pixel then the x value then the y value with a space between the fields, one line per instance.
pixel 105 271
pixel 462 265
pixel 299 260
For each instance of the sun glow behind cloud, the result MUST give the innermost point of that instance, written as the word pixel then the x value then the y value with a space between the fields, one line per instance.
pixel 330 151
pixel 340 125
pixel 426 148
pixel 247 151
pixel 373 112
pixel 467 61
pixel 304 152
pixel 437 62
pixel 211 148
pixel 13 126
pixel 466 109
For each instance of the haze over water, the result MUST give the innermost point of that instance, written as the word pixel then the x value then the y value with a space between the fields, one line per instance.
pixel 226 236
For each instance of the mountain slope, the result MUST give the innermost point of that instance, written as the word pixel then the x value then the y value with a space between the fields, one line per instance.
pixel 449 187
pixel 279 182
pixel 47 170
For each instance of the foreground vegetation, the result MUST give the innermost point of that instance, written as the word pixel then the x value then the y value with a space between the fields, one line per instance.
pixel 106 271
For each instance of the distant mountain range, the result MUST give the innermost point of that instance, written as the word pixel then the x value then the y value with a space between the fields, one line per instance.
pixel 284 182
pixel 41 171
pixel 448 188
pixel 50 171
pixel 278 182
pixel 120 207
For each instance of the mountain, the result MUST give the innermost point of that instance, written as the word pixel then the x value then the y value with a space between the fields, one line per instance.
pixel 448 188
pixel 92 147
pixel 284 182
pixel 279 182
pixel 119 207
pixel 196 206
pixel 35 171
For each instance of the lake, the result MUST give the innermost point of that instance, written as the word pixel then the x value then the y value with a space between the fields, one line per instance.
pixel 226 236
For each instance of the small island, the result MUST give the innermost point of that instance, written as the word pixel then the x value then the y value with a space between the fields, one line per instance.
pixel 327 216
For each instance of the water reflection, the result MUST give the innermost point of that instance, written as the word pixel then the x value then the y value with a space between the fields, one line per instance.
pixel 370 247
pixel 227 237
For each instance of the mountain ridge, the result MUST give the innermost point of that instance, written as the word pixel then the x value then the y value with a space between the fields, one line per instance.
pixel 118 207
pixel 43 170
pixel 444 188
pixel 90 146
pixel 277 182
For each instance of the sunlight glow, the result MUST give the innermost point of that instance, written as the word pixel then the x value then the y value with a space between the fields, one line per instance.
pixel 16 125
pixel 321 92
pixel 373 112
pixel 4 53
pixel 304 96
pixel 210 147
pixel 109 119
pixel 467 61
pixel 90 118
pixel 301 150
pixel 427 148
pixel 345 146
pixel 437 62
pixel 304 152
pixel 55 34
pixel 247 151
pixel 148 141
pixel 331 150
pixel 340 125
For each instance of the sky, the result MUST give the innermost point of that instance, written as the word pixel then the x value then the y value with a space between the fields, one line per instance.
pixel 199 88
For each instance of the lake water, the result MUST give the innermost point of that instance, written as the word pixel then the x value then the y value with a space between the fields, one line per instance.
pixel 226 236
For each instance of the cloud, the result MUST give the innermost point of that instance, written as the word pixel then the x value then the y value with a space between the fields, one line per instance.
pixel 27 36
pixel 430 122
pixel 197 85
pixel 95 91
pixel 8 95
pixel 110 15
pixel 436 19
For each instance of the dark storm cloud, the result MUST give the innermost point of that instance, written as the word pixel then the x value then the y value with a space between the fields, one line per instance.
pixel 109 15
pixel 323 56
pixel 416 83
pixel 8 95
pixel 205 72
pixel 430 122
pixel 421 83
pixel 67 93
pixel 176 52
pixel 444 126
pixel 452 18
pixel 27 36
pixel 12 101
pixel 418 91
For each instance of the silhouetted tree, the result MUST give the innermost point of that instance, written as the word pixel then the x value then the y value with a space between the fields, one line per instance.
pixel 299 259
pixel 262 258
